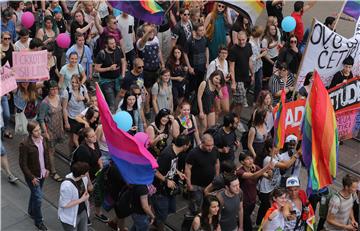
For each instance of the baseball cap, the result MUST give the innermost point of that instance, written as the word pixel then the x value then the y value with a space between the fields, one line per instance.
pixel 292 181
pixel 57 10
pixel 290 138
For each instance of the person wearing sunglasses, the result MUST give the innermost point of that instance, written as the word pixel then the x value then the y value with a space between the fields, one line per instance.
pixel 182 31
pixel 282 79
pixel 291 55
pixel 6 48
pixel 216 29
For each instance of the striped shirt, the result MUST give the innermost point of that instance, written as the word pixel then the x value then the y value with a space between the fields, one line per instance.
pixel 276 84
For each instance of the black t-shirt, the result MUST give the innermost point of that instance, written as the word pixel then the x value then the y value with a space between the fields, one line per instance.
pixel 81 189
pixel 203 166
pixel 74 26
pixel 241 56
pixel 167 162
pixel 138 191
pixel 180 33
pixel 339 78
pixel 8 56
pixel 196 51
pixel 86 154
pixel 108 59
pixel 223 139
pixel 131 79
pixel 275 10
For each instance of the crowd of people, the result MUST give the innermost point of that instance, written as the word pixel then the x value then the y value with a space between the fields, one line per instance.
pixel 184 83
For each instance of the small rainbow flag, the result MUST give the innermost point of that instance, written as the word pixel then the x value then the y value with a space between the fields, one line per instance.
pixel 146 10
pixel 272 209
pixel 279 123
pixel 352 8
pixel 133 160
pixel 320 137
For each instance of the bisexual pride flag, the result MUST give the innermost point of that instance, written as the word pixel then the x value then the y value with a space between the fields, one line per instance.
pixel 134 161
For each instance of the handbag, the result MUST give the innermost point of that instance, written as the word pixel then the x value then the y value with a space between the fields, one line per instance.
pixel 21 123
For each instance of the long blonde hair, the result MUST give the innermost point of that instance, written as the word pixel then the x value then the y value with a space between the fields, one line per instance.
pixel 214 13
pixel 28 94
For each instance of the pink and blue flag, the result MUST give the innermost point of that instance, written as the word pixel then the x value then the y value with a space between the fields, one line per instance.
pixel 146 10
pixel 134 161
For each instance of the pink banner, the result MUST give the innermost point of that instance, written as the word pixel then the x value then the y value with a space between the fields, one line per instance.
pixel 30 66
pixel 8 81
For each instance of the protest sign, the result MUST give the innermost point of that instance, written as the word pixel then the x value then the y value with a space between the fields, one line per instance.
pixel 30 66
pixel 325 52
pixel 346 101
pixel 294 115
pixel 8 82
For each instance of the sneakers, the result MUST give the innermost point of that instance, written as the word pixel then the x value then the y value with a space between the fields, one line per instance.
pixel 102 218
pixel 42 227
pixel 12 178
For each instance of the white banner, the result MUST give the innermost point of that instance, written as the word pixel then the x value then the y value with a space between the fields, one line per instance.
pixel 326 51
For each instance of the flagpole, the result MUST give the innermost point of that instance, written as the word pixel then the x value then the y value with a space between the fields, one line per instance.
pixel 339 15
pixel 302 59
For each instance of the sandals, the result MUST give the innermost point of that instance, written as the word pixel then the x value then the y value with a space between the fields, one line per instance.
pixel 8 135
pixel 56 177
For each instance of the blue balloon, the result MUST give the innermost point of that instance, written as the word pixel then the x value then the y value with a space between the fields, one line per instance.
pixel 288 24
pixel 123 120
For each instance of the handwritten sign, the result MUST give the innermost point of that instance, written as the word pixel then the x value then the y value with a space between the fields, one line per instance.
pixel 8 81
pixel 325 52
pixel 30 66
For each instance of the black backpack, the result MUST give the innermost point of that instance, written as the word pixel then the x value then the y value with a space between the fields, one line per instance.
pixel 124 204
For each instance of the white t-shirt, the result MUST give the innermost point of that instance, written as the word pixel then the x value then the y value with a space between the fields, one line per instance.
pixel 19 46
pixel 126 27
pixel 294 170
pixel 266 185
pixel 215 65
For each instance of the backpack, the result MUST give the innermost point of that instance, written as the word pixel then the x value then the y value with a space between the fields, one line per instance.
pixel 324 203
pixel 124 203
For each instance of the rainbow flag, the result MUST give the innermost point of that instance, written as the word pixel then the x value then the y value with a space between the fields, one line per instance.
pixel 146 10
pixel 134 161
pixel 320 137
pixel 352 8
pixel 279 123
pixel 272 209
pixel 252 9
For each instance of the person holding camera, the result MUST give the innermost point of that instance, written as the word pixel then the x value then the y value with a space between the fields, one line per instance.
pixel 293 149
pixel 166 180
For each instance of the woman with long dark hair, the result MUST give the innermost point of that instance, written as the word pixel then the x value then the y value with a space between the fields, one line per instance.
pixel 207 92
pixel 160 130
pixel 161 92
pixel 178 73
pixel 130 105
pixel 208 219
pixel 291 55
pixel 47 34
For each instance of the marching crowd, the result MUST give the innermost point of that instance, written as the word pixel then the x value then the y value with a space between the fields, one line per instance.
pixel 184 83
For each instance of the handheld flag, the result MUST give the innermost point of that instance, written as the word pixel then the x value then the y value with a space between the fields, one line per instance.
pixel 134 161
pixel 279 123
pixel 352 8
pixel 146 10
pixel 320 137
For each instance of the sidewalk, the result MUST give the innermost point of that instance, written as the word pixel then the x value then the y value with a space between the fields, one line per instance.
pixel 14 199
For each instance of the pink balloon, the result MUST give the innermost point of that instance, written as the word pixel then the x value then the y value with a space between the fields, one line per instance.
pixel 143 138
pixel 63 40
pixel 27 19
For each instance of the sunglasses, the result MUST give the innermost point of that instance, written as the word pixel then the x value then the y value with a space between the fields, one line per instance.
pixel 293 41
pixel 137 94
pixel 6 38
pixel 115 22
pixel 165 110
pixel 221 6
pixel 140 67
pixel 186 14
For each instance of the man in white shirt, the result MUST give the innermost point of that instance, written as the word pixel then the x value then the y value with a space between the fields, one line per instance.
pixel 126 27
pixel 294 169
pixel 24 41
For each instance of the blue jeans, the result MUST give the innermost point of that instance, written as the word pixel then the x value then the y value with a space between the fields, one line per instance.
pixel 258 83
pixel 5 111
pixel 196 199
pixel 108 87
pixel 163 206
pixel 141 222
pixel 34 209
